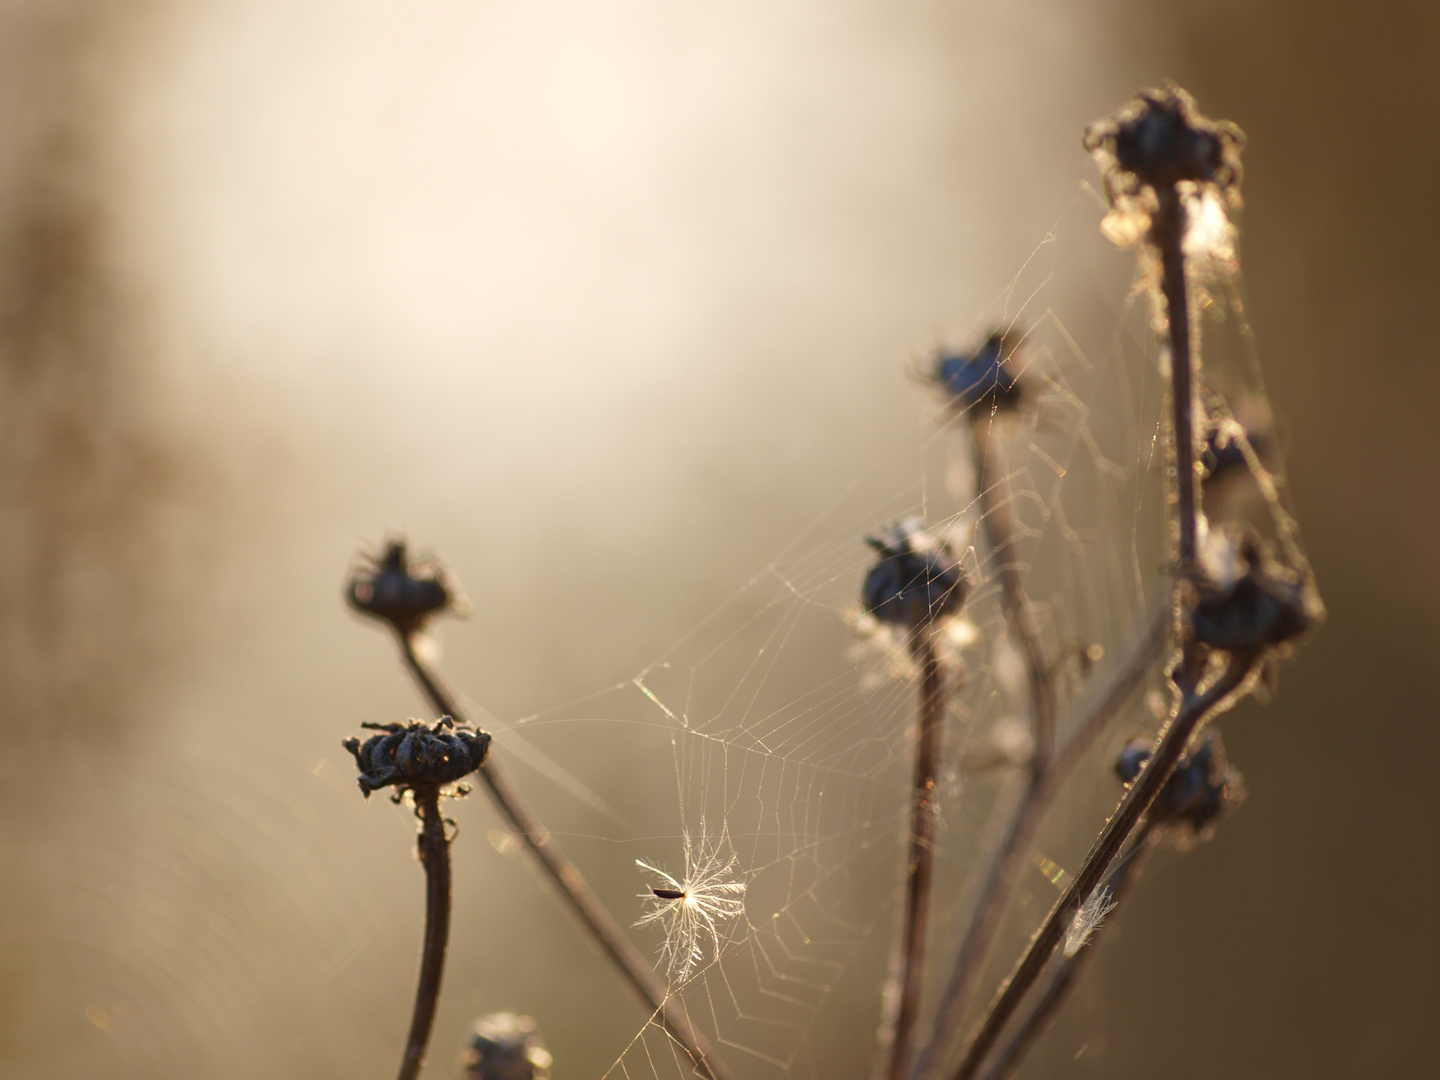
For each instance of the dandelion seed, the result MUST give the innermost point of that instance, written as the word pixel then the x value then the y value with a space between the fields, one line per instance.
pixel 1088 919
pixel 696 906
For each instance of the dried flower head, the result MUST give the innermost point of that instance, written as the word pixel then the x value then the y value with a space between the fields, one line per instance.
pixel 1245 602
pixel 1223 454
pixel 986 376
pixel 415 757
pixel 1159 140
pixel 916 581
pixel 1203 787
pixel 402 591
pixel 504 1046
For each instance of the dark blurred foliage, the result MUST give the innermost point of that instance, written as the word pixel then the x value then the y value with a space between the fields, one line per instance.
pixel 101 505
pixel 87 556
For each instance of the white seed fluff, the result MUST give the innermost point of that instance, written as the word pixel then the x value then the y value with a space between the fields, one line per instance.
pixel 710 896
pixel 1091 914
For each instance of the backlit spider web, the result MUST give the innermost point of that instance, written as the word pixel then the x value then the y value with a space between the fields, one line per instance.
pixel 777 734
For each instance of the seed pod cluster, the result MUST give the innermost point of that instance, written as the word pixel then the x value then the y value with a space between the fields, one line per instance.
pixel 1202 788
pixel 985 376
pixel 1161 139
pixel 412 756
pixel 915 581
pixel 504 1046
pixel 402 592
pixel 1256 606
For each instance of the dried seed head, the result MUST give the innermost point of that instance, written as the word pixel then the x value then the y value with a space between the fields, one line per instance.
pixel 916 580
pixel 412 756
pixel 1160 140
pixel 986 376
pixel 1223 456
pixel 402 592
pixel 1255 605
pixel 504 1046
pixel 1203 787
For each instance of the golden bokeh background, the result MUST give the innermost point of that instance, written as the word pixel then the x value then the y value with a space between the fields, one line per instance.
pixel 599 299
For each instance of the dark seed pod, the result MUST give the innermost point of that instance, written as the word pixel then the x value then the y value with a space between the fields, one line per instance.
pixel 915 581
pixel 986 376
pixel 1222 458
pixel 402 593
pixel 412 756
pixel 504 1046
pixel 1261 607
pixel 1202 788
pixel 1161 139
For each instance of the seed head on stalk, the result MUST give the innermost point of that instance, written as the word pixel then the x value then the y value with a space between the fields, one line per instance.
pixel 423 761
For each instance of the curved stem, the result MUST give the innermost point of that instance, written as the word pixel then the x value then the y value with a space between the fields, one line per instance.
pixel 573 887
pixel 996 517
pixel 1176 736
pixel 1117 884
pixel 1008 858
pixel 920 869
pixel 435 855
pixel 1168 226
pixel 1095 708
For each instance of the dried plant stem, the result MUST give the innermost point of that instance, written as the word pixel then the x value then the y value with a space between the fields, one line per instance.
pixel 1167 234
pixel 1008 858
pixel 593 916
pixel 435 855
pixel 1173 741
pixel 1089 716
pixel 920 868
pixel 997 517
pixel 1117 886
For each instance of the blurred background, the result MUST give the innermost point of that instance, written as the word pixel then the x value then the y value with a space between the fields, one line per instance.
pixel 601 300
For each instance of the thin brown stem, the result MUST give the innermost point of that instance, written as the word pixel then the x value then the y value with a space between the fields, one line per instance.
pixel 1067 973
pixel 1176 736
pixel 1167 234
pixel 920 868
pixel 997 517
pixel 1090 714
pixel 573 887
pixel 435 855
pixel 996 514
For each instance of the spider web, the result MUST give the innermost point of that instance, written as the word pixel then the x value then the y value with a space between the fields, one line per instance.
pixel 776 732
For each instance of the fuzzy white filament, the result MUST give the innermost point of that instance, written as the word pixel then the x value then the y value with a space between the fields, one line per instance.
pixel 1091 914
pixel 709 896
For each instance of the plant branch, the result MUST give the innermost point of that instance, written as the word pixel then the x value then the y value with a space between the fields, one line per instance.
pixel 1008 858
pixel 1117 886
pixel 1167 233
pixel 1194 710
pixel 1168 225
pixel 586 906
pixel 435 855
pixel 1091 713
pixel 920 870
pixel 996 515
